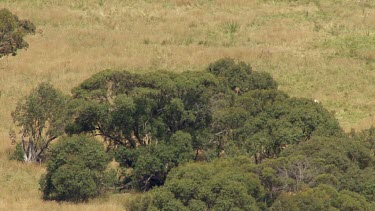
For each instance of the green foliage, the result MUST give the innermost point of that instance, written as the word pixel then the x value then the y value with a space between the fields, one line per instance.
pixel 75 171
pixel 240 76
pixel 320 161
pixel 276 152
pixel 321 198
pixel 12 32
pixel 348 200
pixel 339 153
pixel 319 174
pixel 181 147
pixel 367 138
pixel 327 179
pixel 73 182
pixel 311 199
pixel 42 117
pixel 159 120
pixel 243 115
pixel 219 185
pixel 104 86
pixel 18 153
pixel 152 163
pixel 263 122
pixel 231 27
pixel 130 110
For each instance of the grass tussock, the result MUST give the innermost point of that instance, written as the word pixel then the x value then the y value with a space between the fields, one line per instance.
pixel 314 48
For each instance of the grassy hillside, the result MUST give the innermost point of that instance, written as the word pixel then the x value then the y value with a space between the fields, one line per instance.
pixel 323 49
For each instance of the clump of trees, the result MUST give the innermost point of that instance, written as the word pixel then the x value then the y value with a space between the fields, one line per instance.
pixel 219 185
pixel 260 147
pixel 319 174
pixel 227 110
pixel 12 32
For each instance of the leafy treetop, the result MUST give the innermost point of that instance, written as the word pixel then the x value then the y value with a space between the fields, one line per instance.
pixel 12 32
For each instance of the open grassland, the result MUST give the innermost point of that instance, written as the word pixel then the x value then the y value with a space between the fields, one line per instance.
pixel 323 49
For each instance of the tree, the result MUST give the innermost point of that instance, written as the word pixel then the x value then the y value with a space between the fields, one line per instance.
pixel 366 137
pixel 150 164
pixel 224 184
pixel 12 32
pixel 240 77
pixel 75 170
pixel 261 123
pixel 41 116
pixel 337 162
pixel 132 110
pixel 140 116
pixel 321 198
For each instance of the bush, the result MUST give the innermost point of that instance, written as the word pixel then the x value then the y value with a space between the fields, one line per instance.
pixel 224 184
pixel 74 182
pixel 75 170
pixel 18 153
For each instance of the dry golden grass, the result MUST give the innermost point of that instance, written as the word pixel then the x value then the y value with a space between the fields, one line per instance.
pixel 19 188
pixel 316 49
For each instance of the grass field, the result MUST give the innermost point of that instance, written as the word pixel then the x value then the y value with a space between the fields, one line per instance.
pixel 321 49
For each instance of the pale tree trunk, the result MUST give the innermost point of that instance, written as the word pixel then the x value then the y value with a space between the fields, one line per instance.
pixel 29 151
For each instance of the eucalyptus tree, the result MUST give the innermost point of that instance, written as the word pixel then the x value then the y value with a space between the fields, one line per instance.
pixel 41 117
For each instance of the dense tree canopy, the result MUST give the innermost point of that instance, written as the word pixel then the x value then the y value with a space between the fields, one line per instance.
pixel 219 185
pixel 338 162
pixel 224 138
pixel 245 115
pixel 321 198
pixel 152 163
pixel 319 174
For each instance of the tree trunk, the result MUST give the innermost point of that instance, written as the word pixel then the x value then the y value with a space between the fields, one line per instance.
pixel 196 154
pixel 29 151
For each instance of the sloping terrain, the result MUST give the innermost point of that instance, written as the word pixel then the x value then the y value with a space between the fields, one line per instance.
pixel 323 50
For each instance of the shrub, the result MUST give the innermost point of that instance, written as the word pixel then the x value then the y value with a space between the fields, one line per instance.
pixel 18 153
pixel 75 170
pixel 224 184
